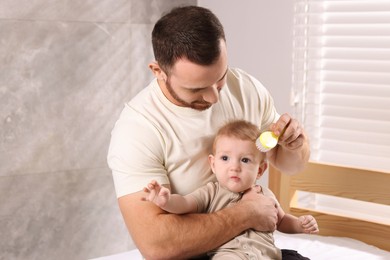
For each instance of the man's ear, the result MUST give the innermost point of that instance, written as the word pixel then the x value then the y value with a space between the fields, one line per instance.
pixel 211 162
pixel 157 71
pixel 262 167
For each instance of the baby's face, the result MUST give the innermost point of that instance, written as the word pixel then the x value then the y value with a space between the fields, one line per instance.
pixel 236 163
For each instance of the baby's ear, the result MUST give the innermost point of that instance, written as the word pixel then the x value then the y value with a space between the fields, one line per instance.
pixel 262 168
pixel 211 162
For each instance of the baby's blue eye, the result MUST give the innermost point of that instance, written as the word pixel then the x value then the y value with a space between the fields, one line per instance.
pixel 245 160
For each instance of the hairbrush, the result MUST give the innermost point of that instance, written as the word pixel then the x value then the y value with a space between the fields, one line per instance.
pixel 266 141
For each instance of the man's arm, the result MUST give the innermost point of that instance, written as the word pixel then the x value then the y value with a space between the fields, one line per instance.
pixel 292 153
pixel 159 235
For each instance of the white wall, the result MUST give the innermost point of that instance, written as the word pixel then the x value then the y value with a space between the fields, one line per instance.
pixel 259 38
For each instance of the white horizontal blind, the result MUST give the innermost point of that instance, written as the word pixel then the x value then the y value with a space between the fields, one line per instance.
pixel 341 80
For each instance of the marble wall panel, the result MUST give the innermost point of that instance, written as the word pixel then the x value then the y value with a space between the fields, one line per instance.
pixel 67 215
pixel 133 11
pixel 141 54
pixel 68 10
pixel 148 12
pixel 60 84
pixel 67 68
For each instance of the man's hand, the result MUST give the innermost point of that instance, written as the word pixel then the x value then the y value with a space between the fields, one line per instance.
pixel 292 153
pixel 290 132
pixel 265 213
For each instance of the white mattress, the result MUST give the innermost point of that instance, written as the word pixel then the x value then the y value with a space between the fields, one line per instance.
pixel 313 246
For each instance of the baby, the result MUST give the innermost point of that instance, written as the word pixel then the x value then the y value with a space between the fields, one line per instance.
pixel 237 164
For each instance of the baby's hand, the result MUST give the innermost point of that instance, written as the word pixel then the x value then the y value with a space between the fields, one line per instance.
pixel 309 224
pixel 157 194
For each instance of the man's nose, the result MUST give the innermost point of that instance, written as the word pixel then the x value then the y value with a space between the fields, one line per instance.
pixel 212 94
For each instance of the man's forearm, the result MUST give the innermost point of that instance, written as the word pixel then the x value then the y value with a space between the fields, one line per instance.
pixel 291 161
pixel 294 161
pixel 159 235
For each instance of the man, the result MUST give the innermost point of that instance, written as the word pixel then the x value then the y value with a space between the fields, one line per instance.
pixel 166 132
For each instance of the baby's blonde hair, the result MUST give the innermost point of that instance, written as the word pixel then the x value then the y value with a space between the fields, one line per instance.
pixel 241 129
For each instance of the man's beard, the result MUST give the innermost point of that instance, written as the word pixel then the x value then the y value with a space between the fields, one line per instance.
pixel 199 105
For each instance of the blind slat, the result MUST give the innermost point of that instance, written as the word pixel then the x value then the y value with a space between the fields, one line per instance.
pixel 343 18
pixel 340 53
pixel 346 65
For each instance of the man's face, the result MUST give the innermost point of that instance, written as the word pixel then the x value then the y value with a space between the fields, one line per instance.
pixel 196 86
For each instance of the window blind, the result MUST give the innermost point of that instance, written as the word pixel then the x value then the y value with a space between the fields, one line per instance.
pixel 341 80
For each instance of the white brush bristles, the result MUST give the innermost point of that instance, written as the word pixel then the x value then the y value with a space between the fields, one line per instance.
pixel 266 141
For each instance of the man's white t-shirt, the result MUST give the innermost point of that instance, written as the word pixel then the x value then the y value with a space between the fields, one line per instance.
pixel 155 139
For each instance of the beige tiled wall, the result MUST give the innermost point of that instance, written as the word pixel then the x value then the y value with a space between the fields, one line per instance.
pixel 66 69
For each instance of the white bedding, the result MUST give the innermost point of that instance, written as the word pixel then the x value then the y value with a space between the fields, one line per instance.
pixel 313 246
pixel 324 248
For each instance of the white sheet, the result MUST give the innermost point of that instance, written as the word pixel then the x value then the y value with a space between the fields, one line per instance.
pixel 313 246
pixel 324 248
pixel 130 255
